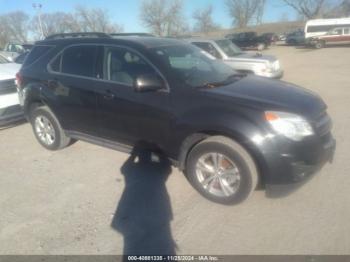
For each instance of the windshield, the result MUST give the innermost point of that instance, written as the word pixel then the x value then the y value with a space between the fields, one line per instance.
pixel 3 60
pixel 194 66
pixel 229 48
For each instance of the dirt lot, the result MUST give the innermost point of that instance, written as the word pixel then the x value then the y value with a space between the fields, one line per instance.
pixel 80 201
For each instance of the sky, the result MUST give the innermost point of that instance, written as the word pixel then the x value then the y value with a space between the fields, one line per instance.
pixel 126 12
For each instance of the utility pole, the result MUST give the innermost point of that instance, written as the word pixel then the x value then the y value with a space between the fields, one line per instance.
pixel 38 8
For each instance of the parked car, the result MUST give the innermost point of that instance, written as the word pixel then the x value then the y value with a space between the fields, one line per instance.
pixel 249 40
pixel 271 38
pixel 20 59
pixel 340 35
pixel 10 110
pixel 282 37
pixel 228 132
pixel 243 62
pixel 296 38
pixel 12 50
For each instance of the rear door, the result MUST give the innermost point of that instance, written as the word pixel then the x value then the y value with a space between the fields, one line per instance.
pixel 70 88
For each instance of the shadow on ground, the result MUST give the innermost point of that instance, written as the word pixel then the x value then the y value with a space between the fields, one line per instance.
pixel 144 212
pixel 14 124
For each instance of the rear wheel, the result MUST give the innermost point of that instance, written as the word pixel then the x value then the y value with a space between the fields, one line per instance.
pixel 47 129
pixel 320 44
pixel 222 170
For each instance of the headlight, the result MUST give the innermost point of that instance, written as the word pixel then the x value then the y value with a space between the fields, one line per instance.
pixel 290 125
pixel 274 66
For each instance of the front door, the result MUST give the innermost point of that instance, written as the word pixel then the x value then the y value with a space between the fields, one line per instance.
pixel 125 115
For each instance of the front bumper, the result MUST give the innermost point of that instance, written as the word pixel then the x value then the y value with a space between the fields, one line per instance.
pixel 294 169
pixel 274 74
pixel 11 114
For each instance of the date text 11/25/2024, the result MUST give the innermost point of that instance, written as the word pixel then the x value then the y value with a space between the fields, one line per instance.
pixel 173 258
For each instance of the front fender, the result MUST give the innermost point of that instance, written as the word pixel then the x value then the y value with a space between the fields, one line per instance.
pixel 243 129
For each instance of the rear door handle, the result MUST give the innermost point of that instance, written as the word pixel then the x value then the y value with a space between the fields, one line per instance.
pixel 108 95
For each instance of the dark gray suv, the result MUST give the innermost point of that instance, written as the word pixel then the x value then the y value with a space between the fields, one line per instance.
pixel 227 131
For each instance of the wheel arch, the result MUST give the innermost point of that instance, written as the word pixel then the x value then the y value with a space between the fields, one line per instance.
pixel 193 139
pixel 32 98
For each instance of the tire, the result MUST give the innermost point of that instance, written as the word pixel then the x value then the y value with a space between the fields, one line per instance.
pixel 319 45
pixel 234 157
pixel 47 129
pixel 261 47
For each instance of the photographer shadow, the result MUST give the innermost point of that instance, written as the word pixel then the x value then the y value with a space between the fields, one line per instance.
pixel 144 212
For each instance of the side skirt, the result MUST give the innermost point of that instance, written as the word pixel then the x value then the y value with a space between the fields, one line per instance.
pixel 107 143
pixel 99 141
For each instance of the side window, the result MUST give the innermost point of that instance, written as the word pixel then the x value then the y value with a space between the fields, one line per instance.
pixel 346 31
pixel 209 48
pixel 338 31
pixel 124 66
pixel 79 60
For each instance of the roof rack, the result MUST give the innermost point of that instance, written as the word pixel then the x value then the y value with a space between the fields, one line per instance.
pixel 78 35
pixel 131 34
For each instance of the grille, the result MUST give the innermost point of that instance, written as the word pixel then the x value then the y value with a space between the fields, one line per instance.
pixel 7 87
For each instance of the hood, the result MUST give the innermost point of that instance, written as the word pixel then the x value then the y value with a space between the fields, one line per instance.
pixel 253 57
pixel 9 70
pixel 269 94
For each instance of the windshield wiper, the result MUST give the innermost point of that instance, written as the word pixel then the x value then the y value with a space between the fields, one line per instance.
pixel 230 79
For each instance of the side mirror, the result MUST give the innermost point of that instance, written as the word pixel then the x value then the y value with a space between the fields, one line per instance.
pixel 149 82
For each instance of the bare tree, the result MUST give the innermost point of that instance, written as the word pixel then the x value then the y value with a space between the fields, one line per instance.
pixel 91 20
pixel 204 21
pixel 243 12
pixel 340 10
pixel 163 17
pixel 52 23
pixel 15 26
pixel 4 34
pixel 260 12
pixel 308 8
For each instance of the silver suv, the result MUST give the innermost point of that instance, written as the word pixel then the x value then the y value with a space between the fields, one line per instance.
pixel 225 50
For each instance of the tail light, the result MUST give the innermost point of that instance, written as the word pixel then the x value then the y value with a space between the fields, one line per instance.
pixel 19 80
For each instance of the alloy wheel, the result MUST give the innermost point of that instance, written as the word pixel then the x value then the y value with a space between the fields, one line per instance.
pixel 45 130
pixel 218 174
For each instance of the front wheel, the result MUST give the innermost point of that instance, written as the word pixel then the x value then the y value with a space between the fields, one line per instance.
pixel 221 170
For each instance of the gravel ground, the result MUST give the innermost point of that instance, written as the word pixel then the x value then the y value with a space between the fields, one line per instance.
pixel 86 200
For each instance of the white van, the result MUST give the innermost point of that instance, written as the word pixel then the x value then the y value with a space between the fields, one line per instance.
pixel 318 27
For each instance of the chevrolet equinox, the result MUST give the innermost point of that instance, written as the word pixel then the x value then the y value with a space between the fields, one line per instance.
pixel 228 132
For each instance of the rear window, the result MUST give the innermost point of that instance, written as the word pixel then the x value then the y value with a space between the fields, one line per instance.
pixel 37 52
